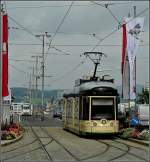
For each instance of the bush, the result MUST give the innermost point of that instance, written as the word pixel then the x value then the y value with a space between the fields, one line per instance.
pixel 7 135
pixel 144 135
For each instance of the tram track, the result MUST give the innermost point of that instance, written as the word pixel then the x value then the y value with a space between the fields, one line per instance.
pixel 127 144
pixel 16 148
pixel 67 150
pixel 97 154
pixel 42 145
pixel 124 151
pixel 25 152
pixel 108 147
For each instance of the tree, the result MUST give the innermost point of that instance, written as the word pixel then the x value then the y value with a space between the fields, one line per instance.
pixel 144 96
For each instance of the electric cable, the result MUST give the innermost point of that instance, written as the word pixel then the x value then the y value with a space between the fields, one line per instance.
pixel 59 25
pixel 17 69
pixel 117 29
pixel 72 45
pixel 24 28
pixel 52 6
pixel 69 72
pixel 28 31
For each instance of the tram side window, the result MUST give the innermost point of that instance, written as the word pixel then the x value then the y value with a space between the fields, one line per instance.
pixel 85 108
pixel 80 109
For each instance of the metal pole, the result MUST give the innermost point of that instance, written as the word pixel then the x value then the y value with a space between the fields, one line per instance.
pixel 43 69
pixel 43 79
pixel 36 79
pixel 30 89
pixel 33 83
pixel 1 54
pixel 135 62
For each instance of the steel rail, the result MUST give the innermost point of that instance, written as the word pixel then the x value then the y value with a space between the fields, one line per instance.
pixel 26 152
pixel 69 152
pixel 129 144
pixel 126 151
pixel 98 154
pixel 42 145
pixel 16 148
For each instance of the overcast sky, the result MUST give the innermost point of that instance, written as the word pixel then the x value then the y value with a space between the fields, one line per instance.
pixel 83 20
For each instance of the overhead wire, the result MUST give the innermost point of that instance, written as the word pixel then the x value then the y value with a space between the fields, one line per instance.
pixel 115 18
pixel 72 45
pixel 59 25
pixel 111 3
pixel 69 72
pixel 24 28
pixel 52 6
pixel 28 31
pixel 21 60
pixel 108 35
pixel 18 69
pixel 117 29
pixel 60 6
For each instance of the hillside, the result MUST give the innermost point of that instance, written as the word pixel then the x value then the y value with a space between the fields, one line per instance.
pixel 21 93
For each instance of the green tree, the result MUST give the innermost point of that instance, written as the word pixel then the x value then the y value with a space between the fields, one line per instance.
pixel 144 96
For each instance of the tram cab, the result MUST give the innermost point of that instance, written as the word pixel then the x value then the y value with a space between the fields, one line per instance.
pixel 92 108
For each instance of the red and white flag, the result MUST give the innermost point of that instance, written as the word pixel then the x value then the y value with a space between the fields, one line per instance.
pixel 5 91
pixel 125 64
pixel 133 27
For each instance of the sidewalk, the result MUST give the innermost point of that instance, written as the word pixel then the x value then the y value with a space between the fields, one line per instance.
pixel 7 142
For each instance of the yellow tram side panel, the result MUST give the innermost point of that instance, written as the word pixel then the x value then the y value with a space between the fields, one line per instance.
pixel 71 122
pixel 69 113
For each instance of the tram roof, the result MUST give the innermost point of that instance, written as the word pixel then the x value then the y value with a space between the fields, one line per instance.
pixel 89 86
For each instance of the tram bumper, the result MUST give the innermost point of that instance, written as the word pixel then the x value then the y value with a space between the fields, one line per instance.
pixel 96 127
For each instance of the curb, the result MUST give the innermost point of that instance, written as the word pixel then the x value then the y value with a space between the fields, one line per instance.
pixel 146 143
pixel 12 141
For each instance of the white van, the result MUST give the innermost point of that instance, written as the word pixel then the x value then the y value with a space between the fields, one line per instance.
pixel 27 109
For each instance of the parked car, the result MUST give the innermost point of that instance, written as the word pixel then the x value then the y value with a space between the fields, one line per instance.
pixel 57 114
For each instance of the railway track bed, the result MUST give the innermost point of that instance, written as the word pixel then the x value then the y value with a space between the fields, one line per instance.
pixel 55 144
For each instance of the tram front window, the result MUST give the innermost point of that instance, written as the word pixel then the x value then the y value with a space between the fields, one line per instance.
pixel 102 109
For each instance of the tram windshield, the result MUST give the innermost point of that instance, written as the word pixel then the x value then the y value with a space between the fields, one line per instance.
pixel 102 109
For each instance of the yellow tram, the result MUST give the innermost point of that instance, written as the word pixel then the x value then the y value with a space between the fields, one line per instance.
pixel 91 107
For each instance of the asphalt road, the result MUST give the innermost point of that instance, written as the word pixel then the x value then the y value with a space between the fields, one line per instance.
pixel 48 121
pixel 52 143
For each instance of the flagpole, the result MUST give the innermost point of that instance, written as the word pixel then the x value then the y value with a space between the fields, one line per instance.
pixel 1 38
pixel 129 82
pixel 1 102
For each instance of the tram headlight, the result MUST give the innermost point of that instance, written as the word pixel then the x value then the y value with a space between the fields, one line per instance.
pixel 104 121
pixel 95 124
pixel 111 124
